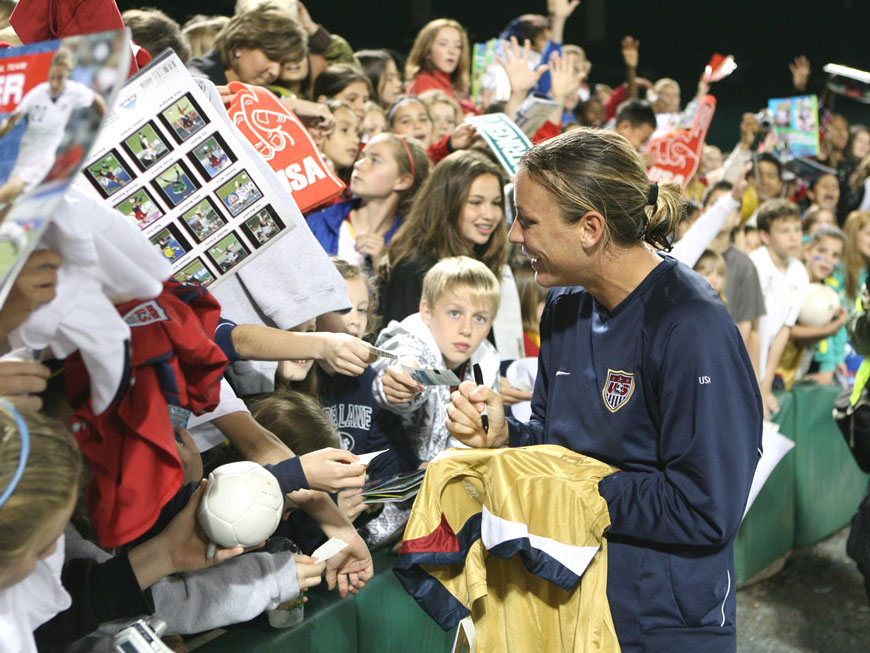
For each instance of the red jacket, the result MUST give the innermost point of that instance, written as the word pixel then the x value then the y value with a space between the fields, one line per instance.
pixel 44 20
pixel 130 449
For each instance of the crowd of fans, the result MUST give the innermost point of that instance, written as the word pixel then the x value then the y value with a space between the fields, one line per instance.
pixel 420 237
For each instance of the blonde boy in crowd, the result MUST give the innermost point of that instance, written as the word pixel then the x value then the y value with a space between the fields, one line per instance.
pixel 459 302
pixel 784 282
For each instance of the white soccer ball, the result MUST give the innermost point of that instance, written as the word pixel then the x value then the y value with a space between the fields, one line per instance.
pixel 819 306
pixel 242 505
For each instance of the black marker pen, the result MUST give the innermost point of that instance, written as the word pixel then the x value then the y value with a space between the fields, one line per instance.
pixel 478 379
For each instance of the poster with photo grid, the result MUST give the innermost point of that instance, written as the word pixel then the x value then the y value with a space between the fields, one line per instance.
pixel 176 169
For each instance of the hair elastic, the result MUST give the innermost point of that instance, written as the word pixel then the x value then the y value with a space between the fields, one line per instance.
pixel 410 158
pixel 653 194
pixel 24 432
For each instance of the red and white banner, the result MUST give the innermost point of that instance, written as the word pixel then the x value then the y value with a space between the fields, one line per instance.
pixel 284 143
pixel 20 74
pixel 678 153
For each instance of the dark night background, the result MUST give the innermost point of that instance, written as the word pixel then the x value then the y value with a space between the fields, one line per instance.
pixel 677 38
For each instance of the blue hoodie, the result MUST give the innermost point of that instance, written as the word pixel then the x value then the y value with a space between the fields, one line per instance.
pixel 660 387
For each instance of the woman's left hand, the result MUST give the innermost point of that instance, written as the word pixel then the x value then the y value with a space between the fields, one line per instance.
pixel 510 395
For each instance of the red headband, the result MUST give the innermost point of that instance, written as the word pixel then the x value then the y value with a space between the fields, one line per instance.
pixel 408 152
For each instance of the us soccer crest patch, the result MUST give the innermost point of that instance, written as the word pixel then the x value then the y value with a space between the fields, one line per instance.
pixel 618 388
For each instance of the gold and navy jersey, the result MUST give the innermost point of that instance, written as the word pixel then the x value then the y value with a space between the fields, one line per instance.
pixel 513 537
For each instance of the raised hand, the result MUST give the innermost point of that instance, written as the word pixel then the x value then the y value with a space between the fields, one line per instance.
pixel 800 72
pixel 630 51
pixel 517 65
pixel 563 82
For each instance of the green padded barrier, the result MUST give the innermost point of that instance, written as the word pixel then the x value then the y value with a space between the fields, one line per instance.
pixel 329 627
pixel 828 483
pixel 767 533
pixel 389 620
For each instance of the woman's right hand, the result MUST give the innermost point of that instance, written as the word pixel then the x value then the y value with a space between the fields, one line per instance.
pixel 464 411
pixel 332 470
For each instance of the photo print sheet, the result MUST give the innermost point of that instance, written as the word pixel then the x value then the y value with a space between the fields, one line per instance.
pixel 53 97
pixel 176 169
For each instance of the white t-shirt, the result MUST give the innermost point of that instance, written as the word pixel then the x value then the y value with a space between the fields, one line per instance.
pixel 204 433
pixel 46 121
pixel 30 603
pixel 347 245
pixel 783 297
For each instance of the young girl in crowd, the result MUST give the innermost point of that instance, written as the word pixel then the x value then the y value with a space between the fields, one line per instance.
pixel 383 76
pixel 39 486
pixel 815 352
pixel 445 112
pixel 852 189
pixel 409 116
pixel 341 146
pixel 298 421
pixel 363 425
pixel 823 254
pixel 459 211
pixel 816 216
pixel 374 123
pixel 345 83
pixel 825 191
pixel 711 266
pixel 852 275
pixel 440 59
pixel 384 181
pixel 296 374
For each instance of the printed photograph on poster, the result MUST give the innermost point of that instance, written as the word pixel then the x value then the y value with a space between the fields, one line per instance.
pixel 228 253
pixel 54 96
pixel 212 156
pixel 175 184
pixel 262 227
pixel 195 271
pixel 171 243
pixel 49 111
pixel 183 118
pixel 146 147
pixel 203 220
pixel 795 126
pixel 239 193
pixel 140 208
pixel 110 174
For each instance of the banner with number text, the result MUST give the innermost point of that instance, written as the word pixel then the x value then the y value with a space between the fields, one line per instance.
pixel 285 144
